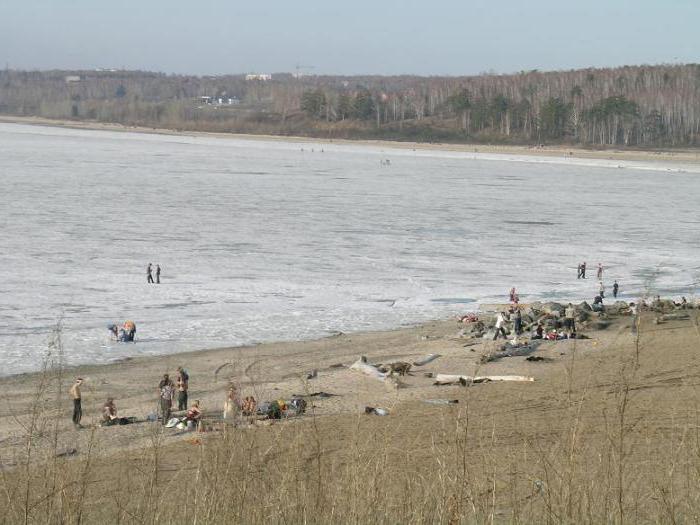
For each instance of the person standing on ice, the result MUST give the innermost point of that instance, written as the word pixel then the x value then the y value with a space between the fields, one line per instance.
pixel 149 274
pixel 157 273
pixel 583 270
pixel 600 271
pixel 616 287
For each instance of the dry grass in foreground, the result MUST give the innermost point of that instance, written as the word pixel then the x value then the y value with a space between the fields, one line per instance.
pixel 607 437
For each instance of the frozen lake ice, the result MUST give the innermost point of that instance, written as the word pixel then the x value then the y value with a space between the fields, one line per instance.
pixel 261 241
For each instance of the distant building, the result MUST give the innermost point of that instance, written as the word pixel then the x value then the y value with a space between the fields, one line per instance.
pixel 218 101
pixel 258 76
pixel 72 78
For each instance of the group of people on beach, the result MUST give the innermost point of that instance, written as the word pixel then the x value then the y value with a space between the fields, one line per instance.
pixel 167 392
pixel 170 392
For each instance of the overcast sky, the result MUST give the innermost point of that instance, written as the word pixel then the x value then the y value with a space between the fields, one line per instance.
pixel 427 37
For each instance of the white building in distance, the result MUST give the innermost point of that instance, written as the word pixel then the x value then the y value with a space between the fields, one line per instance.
pixel 258 76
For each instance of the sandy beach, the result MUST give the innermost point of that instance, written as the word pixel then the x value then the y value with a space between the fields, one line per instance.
pixel 270 372
pixel 680 155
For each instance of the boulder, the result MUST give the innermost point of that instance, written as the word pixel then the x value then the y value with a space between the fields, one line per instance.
pixel 583 307
pixel 534 308
pixel 617 307
pixel 553 308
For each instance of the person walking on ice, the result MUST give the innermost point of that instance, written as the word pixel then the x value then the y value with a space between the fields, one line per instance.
pixel 157 273
pixel 149 273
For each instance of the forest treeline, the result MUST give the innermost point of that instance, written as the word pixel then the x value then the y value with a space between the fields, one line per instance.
pixel 627 106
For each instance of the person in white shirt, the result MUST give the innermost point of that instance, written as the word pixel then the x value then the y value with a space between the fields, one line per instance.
pixel 500 321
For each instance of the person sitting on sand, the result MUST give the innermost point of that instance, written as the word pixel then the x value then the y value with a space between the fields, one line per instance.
pixel 249 406
pixel 539 331
pixel 194 413
pixel 109 413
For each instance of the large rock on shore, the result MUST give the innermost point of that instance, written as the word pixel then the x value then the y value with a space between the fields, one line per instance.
pixel 583 307
pixel 553 308
pixel 617 307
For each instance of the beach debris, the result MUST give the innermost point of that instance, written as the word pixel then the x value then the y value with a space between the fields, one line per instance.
pixel 376 411
pixel 450 379
pixel 520 350
pixel 365 368
pixel 537 358
pixel 441 401
pixel 313 374
pixel 322 395
pixel 425 360
pixel 337 365
pixel 399 367
pixel 675 317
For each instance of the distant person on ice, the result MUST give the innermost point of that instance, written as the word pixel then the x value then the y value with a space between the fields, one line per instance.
pixel 157 273
pixel 149 274
pixel 616 287
pixel 601 290
pixel 600 271
pixel 583 270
